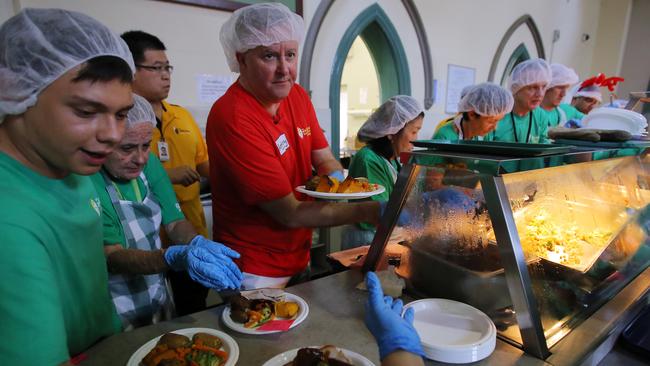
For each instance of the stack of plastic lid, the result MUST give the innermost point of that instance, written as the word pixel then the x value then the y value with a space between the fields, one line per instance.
pixel 453 332
pixel 616 119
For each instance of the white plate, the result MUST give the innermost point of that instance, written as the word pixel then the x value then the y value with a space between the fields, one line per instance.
pixel 288 356
pixel 616 119
pixel 453 332
pixel 229 345
pixel 341 196
pixel 302 315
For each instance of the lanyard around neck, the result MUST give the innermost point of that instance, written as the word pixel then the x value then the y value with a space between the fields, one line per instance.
pixel 514 125
pixel 136 189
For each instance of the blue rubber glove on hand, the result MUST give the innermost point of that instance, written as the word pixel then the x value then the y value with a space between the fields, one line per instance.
pixel 446 200
pixel 207 262
pixel 338 175
pixel 384 320
pixel 573 123
pixel 404 217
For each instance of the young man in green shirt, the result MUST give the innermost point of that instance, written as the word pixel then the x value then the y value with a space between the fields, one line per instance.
pixel 66 89
pixel 562 78
pixel 137 199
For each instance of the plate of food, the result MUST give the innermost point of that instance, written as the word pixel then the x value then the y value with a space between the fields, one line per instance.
pixel 196 346
pixel 325 187
pixel 264 311
pixel 325 355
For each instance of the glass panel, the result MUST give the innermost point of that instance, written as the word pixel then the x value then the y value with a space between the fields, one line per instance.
pixel 450 254
pixel 583 228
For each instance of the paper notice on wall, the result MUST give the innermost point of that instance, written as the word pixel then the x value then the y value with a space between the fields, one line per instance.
pixel 211 87
pixel 458 77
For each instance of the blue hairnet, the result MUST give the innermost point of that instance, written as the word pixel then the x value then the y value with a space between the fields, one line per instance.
pixel 38 46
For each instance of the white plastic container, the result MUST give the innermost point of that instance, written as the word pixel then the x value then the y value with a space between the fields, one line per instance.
pixel 453 332
pixel 616 119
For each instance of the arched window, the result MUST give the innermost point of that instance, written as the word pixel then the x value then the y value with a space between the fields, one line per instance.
pixel 380 37
pixel 519 55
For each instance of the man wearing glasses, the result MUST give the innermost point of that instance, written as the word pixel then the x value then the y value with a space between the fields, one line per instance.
pixel 178 143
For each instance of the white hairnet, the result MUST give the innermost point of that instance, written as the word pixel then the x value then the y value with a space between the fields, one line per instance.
pixel 390 117
pixel 487 99
pixel 463 92
pixel 142 112
pixel 562 75
pixel 529 72
pixel 259 25
pixel 592 91
pixel 37 46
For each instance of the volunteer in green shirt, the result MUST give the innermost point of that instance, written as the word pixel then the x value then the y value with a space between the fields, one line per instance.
pixel 136 199
pixel 66 89
pixel 388 132
pixel 587 98
pixel 562 78
pixel 526 123
pixel 480 109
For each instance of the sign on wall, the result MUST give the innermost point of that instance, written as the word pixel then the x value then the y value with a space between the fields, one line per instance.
pixel 458 77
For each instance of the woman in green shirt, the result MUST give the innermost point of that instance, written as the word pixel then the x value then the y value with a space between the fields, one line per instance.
pixel 388 132
pixel 480 110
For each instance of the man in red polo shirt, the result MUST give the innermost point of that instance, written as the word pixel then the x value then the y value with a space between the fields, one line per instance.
pixel 263 140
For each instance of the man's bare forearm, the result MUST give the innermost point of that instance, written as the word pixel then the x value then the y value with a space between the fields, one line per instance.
pixel 180 232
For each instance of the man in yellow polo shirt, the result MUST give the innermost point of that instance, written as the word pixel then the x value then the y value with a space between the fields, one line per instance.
pixel 178 143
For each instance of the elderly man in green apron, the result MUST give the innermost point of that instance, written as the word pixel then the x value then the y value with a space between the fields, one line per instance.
pixel 137 198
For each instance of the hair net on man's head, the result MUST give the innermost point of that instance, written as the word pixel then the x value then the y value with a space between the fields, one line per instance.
pixel 487 99
pixel 467 88
pixel 562 75
pixel 390 117
pixel 37 46
pixel 259 25
pixel 529 72
pixel 142 112
pixel 591 91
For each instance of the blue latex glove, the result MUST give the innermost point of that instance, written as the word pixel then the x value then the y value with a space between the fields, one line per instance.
pixel 573 123
pixel 445 200
pixel 405 217
pixel 207 262
pixel 384 320
pixel 338 175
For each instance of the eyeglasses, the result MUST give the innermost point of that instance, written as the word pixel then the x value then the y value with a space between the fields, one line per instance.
pixel 159 69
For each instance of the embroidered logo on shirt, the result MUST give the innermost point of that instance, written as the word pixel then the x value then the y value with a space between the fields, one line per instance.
pixel 304 131
pixel 180 130
pixel 282 144
pixel 96 205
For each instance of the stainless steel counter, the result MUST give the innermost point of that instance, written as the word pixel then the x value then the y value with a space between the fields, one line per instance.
pixel 336 311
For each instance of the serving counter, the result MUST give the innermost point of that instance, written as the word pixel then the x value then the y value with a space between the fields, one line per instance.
pixel 541 238
pixel 336 310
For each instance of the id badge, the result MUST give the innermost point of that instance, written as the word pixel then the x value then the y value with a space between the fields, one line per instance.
pixel 163 151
